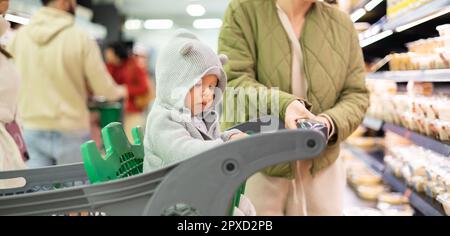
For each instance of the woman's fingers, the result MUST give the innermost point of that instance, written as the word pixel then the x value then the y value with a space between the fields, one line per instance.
pixel 291 122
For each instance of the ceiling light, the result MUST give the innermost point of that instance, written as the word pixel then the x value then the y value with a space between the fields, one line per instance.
pixel 195 10
pixel 207 23
pixel 158 24
pixel 133 24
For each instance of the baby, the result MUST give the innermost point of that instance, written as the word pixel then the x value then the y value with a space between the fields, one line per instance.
pixel 183 122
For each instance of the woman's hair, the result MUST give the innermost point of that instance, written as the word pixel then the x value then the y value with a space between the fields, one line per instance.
pixel 120 49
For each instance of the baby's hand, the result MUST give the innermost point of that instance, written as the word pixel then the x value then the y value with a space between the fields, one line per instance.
pixel 238 136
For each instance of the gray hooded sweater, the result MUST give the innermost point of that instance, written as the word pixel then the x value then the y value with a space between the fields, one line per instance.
pixel 172 135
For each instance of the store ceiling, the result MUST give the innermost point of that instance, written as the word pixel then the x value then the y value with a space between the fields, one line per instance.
pixel 167 9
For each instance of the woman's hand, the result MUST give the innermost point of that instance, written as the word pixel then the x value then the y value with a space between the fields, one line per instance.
pixel 296 111
pixel 238 136
pixel 325 121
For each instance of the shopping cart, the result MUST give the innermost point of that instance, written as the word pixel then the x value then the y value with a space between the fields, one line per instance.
pixel 205 183
pixel 108 111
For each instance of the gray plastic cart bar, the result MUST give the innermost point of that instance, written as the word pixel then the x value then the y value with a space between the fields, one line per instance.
pixel 44 179
pixel 208 182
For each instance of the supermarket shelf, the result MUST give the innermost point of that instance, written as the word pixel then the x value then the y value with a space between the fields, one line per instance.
pixel 442 75
pixel 416 24
pixel 416 138
pixel 372 16
pixel 420 201
pixel 419 139
pixel 417 14
pixel 361 4
pixel 375 162
pixel 372 123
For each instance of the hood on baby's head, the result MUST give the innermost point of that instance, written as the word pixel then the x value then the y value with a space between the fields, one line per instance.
pixel 182 62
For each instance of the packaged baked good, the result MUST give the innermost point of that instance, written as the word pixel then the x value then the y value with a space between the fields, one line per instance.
pixel 444 199
pixel 428 123
pixel 406 173
pixel 422 105
pixel 441 108
pixel 361 211
pixel 419 88
pixel 433 128
pixel 446 128
pixel 443 179
pixel 370 192
pixel 420 124
pixel 408 121
pixel 443 130
pixel 393 198
pixel 418 167
pixel 444 30
pixel 427 106
pixel 365 179
pixel 418 182
pixel 395 209
pixel 433 189
pixel 394 164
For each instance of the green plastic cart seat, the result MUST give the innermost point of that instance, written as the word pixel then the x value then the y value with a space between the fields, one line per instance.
pixel 122 159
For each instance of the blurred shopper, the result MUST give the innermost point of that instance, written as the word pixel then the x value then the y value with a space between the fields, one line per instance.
pixel 12 148
pixel 58 63
pixel 126 70
pixel 142 55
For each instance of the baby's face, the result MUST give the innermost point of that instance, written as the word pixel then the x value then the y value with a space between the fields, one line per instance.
pixel 201 96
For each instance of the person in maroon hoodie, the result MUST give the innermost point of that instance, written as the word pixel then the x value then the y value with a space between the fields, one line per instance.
pixel 126 71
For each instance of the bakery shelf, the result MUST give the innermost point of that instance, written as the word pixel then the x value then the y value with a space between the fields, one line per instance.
pixel 361 4
pixel 416 24
pixel 373 123
pixel 421 13
pixel 416 138
pixel 421 202
pixel 441 75
pixel 424 204
pixel 374 161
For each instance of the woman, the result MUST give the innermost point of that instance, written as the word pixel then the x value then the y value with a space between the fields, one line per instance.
pixel 12 149
pixel 126 71
pixel 310 51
